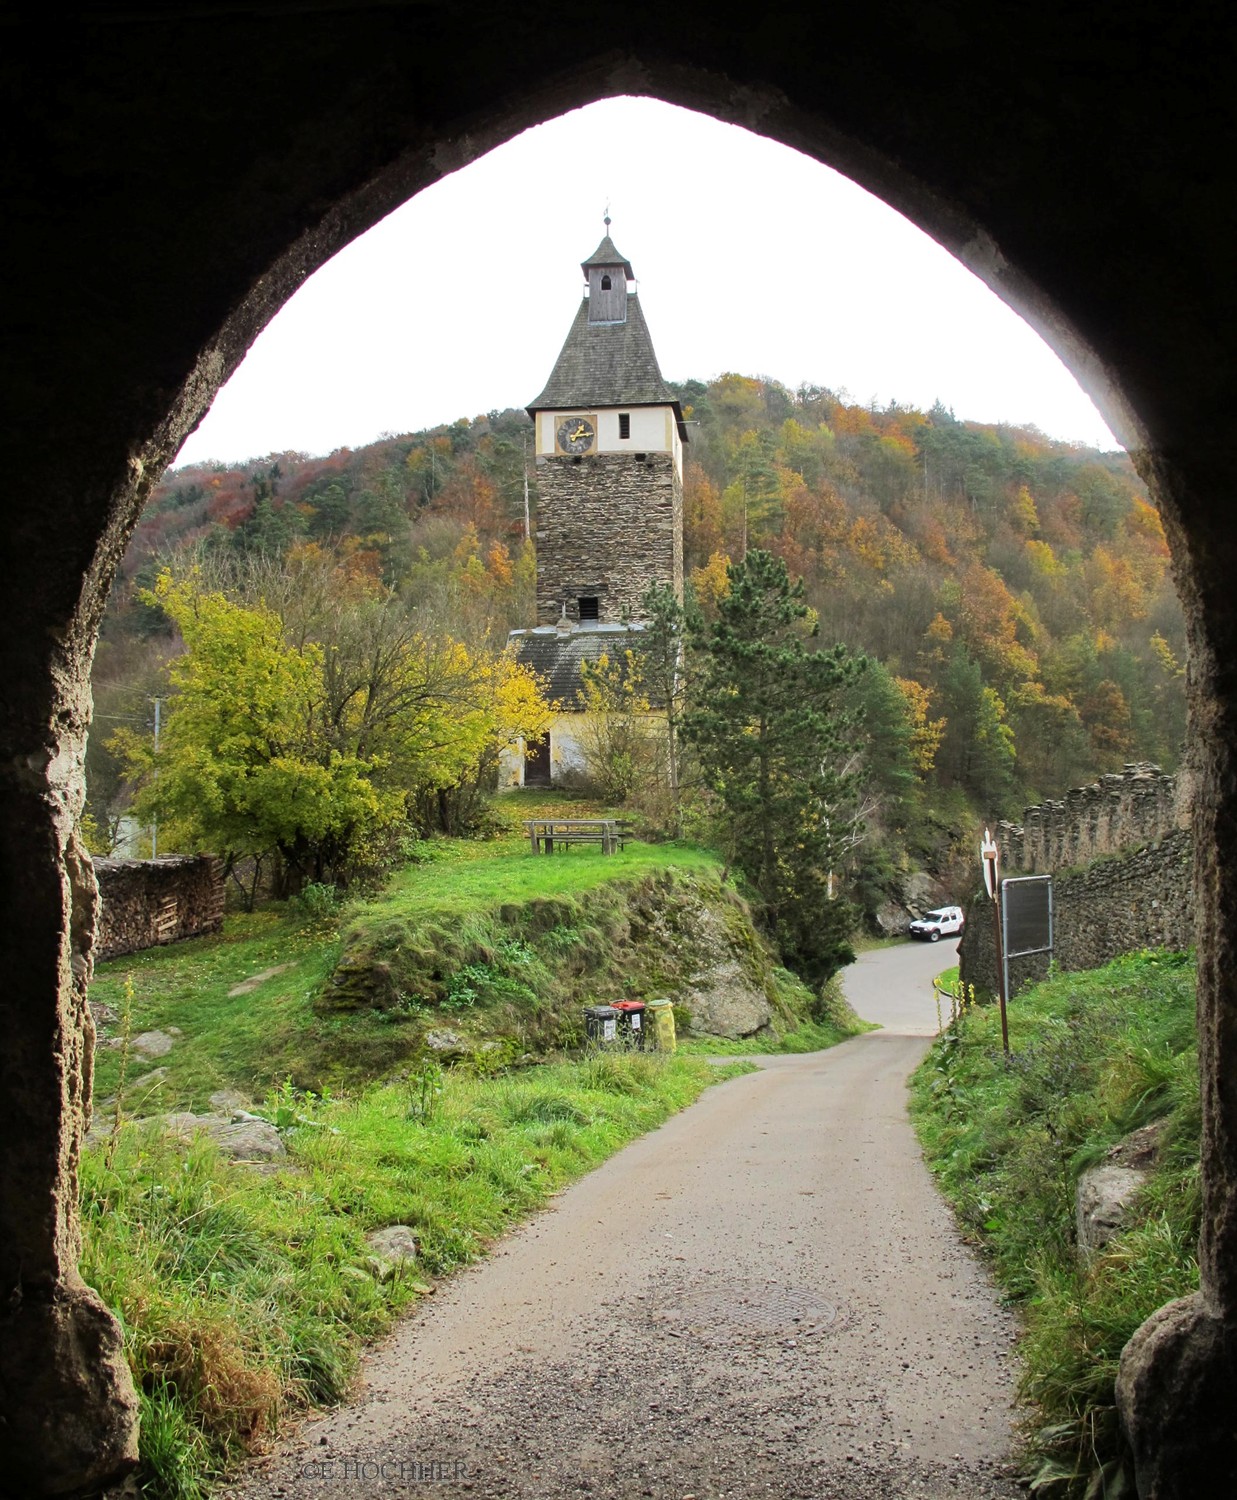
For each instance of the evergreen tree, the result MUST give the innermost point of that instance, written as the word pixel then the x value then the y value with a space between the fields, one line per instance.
pixel 775 747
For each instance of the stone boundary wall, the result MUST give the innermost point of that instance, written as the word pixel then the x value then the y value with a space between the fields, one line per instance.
pixel 1140 805
pixel 145 902
pixel 1142 899
pixel 1121 855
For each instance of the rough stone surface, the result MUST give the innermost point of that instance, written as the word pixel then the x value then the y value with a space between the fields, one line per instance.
pixel 724 1002
pixel 1174 1391
pixel 149 1080
pixel 151 1044
pixel 65 1385
pixel 892 920
pixel 247 986
pixel 392 1250
pixel 720 969
pixel 1101 1200
pixel 1129 896
pixel 249 1140
pixel 609 526
pixel 445 1044
pixel 921 891
pixel 244 1140
pixel 1122 811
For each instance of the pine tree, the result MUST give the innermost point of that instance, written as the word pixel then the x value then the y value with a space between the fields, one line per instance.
pixel 776 748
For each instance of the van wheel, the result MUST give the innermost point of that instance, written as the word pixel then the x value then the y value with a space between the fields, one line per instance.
pixel 935 935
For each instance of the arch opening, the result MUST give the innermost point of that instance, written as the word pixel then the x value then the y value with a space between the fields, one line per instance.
pixel 1131 326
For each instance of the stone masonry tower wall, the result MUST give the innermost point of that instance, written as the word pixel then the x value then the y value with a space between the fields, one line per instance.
pixel 608 525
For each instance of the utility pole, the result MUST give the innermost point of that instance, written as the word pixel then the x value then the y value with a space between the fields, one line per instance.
pixel 154 827
pixel 527 527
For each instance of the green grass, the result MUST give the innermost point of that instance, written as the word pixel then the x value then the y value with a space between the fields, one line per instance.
pixel 251 1041
pixel 1094 1056
pixel 244 1297
pixel 472 876
pixel 254 1041
pixel 947 980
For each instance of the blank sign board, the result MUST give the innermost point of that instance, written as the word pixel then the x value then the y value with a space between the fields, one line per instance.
pixel 1027 905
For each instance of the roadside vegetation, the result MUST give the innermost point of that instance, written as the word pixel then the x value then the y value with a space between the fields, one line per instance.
pixel 245 1295
pixel 481 953
pixel 1095 1056
pixel 421 1052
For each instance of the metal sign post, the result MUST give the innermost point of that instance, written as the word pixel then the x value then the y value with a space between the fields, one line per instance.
pixel 1026 906
pixel 991 863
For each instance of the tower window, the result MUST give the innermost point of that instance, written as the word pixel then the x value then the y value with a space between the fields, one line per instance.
pixel 605 283
pixel 624 424
pixel 589 607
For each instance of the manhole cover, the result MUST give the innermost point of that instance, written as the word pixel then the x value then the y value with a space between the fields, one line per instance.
pixel 743 1307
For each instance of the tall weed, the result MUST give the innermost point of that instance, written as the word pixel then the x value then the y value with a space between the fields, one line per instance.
pixel 245 1296
pixel 1095 1056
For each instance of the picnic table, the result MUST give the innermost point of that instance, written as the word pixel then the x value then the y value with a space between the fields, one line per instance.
pixel 544 833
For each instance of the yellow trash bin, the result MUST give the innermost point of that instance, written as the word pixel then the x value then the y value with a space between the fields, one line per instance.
pixel 660 1016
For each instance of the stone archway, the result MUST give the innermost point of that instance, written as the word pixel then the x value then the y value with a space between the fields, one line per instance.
pixel 172 178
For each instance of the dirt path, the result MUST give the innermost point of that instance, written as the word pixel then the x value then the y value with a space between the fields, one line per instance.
pixel 765 1297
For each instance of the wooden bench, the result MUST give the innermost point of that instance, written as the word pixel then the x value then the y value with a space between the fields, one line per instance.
pixel 544 833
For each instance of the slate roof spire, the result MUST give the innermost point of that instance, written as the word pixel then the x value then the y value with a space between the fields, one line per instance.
pixel 608 357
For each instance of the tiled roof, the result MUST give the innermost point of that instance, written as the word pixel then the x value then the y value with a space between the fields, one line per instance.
pixel 606 364
pixel 555 655
pixel 606 254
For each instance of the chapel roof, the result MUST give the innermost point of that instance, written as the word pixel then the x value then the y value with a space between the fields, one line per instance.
pixel 555 655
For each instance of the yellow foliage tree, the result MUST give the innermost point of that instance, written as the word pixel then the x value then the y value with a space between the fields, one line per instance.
pixel 615 727
pixel 711 583
pixel 926 733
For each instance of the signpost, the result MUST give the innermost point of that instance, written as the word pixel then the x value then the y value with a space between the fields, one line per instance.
pixel 1022 916
pixel 991 862
pixel 1027 913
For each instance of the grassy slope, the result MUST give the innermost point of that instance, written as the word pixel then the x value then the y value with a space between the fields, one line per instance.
pixel 255 1040
pixel 1095 1056
pixel 244 1296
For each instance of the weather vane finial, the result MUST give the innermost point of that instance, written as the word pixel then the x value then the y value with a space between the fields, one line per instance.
pixel 606 220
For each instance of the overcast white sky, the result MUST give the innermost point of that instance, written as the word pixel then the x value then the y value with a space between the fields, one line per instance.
pixel 458 302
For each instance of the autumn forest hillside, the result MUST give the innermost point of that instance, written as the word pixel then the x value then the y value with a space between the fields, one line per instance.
pixel 1016 589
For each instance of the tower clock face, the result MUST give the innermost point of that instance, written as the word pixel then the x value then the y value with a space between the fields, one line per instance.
pixel 576 435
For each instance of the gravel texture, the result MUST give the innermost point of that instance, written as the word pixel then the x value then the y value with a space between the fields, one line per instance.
pixel 765 1297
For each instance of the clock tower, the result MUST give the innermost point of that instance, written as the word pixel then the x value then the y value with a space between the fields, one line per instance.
pixel 609 449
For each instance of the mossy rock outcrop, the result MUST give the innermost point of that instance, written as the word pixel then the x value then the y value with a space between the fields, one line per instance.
pixel 525 970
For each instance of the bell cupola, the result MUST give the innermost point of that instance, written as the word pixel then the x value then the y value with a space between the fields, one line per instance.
pixel 607 274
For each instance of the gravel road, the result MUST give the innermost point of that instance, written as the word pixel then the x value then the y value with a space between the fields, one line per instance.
pixel 763 1298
